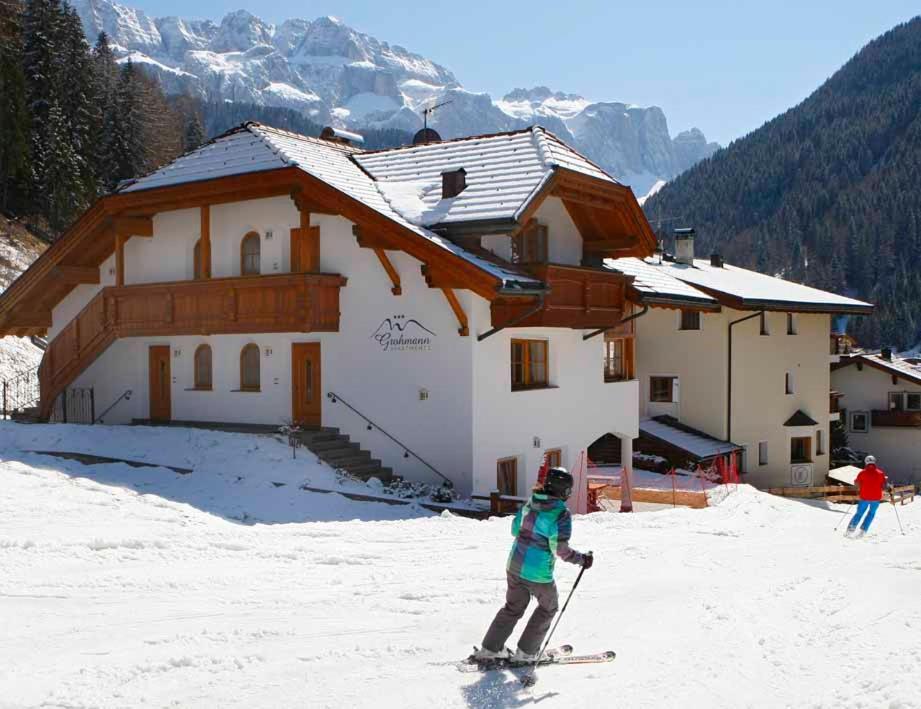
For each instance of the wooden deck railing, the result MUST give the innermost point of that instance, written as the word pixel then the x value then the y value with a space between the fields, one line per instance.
pixel 297 302
pixel 579 298
pixel 909 419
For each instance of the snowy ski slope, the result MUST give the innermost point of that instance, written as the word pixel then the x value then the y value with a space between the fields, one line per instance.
pixel 126 587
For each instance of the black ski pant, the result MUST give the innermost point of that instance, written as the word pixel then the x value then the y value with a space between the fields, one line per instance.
pixel 517 598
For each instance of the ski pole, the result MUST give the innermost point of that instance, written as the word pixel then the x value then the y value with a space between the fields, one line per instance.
pixel 528 680
pixel 846 513
pixel 896 510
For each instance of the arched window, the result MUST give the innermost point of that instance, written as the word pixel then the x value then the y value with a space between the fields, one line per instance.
pixel 249 254
pixel 203 367
pixel 196 261
pixel 249 368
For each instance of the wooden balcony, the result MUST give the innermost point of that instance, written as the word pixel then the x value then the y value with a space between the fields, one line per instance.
pixel 297 302
pixel 900 419
pixel 581 298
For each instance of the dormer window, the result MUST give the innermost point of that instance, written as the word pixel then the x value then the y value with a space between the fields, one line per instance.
pixel 453 183
pixel 529 246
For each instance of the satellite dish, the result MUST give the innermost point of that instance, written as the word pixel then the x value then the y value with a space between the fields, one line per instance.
pixel 426 135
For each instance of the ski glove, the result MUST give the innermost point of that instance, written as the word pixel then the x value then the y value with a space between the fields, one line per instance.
pixel 587 561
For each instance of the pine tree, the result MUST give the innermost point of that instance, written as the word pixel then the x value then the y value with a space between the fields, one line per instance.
pixel 61 163
pixel 128 155
pixel 105 96
pixel 14 117
pixel 194 132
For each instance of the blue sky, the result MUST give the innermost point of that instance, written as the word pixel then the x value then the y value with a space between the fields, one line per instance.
pixel 723 66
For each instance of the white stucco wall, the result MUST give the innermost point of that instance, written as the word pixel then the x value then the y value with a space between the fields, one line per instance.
pixel 760 405
pixel 897 449
pixel 71 305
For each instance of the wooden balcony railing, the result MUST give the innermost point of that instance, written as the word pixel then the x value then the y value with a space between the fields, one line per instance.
pixel 579 298
pixel 297 302
pixel 909 419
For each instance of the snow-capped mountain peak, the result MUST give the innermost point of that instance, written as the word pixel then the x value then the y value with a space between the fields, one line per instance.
pixel 335 74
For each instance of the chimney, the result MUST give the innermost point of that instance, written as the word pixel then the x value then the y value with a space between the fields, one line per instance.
pixel 337 135
pixel 453 183
pixel 684 246
pixel 886 354
pixel 716 260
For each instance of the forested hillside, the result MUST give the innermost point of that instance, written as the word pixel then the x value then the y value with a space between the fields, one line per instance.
pixel 828 193
pixel 74 122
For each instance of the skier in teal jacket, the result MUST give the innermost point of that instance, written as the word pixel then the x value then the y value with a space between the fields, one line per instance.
pixel 541 529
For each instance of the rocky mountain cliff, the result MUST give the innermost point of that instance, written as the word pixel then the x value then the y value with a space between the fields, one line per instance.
pixel 336 75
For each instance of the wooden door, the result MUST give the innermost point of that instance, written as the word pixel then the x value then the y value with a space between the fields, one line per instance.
pixel 507 476
pixel 160 383
pixel 306 384
pixel 305 249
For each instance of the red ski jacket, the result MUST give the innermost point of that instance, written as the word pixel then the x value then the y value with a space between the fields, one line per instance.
pixel 871 481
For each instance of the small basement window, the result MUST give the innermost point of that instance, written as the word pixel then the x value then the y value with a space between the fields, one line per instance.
pixel 860 421
pixel 530 363
pixel 690 320
pixel 801 449
pixel 662 389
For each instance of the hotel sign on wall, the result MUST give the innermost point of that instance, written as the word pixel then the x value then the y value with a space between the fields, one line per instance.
pixel 399 333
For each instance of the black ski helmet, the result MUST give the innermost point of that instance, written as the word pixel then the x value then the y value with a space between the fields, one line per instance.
pixel 558 483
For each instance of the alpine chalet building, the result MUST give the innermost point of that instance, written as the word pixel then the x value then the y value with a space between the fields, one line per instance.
pixel 444 304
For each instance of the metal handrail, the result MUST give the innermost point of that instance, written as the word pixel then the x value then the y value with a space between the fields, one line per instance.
pixel 126 395
pixel 334 397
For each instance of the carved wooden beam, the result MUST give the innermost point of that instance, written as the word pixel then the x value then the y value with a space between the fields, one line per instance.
pixel 437 277
pixel 391 271
pixel 204 249
pixel 133 226
pixel 459 313
pixel 373 240
pixel 305 204
pixel 119 259
pixel 76 274
pixel 625 244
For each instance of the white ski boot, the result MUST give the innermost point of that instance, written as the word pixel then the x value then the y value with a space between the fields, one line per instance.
pixel 522 657
pixel 484 655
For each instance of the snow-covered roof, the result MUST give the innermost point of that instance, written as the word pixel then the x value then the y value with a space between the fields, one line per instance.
pixel 503 172
pixel 698 445
pixel 846 474
pixel 755 289
pixel 655 284
pixel 255 147
pixel 895 365
pixel 744 288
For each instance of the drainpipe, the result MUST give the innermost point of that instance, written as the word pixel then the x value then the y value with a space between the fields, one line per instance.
pixel 729 375
pixel 514 321
pixel 594 333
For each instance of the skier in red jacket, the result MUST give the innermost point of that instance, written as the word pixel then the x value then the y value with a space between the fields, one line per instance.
pixel 871 481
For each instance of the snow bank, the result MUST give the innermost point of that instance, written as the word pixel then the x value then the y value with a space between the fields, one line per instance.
pixel 114 597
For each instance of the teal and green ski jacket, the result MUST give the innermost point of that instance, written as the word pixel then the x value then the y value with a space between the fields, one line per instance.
pixel 541 529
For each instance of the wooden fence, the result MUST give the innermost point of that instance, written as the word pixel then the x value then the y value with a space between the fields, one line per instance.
pixel 903 494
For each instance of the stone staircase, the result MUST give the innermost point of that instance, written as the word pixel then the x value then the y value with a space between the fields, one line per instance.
pixel 338 450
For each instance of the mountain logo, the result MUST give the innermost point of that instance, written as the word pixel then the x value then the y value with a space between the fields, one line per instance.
pixel 401 334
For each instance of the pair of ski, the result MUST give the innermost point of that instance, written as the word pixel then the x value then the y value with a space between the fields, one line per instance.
pixel 561 655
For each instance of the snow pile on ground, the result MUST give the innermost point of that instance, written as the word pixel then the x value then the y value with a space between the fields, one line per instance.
pixel 116 597
pixel 245 478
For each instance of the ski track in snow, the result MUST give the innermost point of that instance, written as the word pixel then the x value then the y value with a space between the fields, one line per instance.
pixel 115 594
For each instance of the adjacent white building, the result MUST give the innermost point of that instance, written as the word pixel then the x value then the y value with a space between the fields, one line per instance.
pixel 443 304
pixel 739 356
pixel 881 409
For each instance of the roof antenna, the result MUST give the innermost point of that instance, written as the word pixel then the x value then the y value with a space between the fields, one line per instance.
pixel 430 110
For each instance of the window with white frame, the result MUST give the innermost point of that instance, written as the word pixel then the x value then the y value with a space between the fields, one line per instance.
pixel 860 421
pixel 762 453
pixel 904 401
pixel 788 383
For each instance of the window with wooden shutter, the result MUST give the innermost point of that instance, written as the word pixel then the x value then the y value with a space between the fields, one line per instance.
pixel 249 368
pixel 618 358
pixel 529 246
pixel 250 251
pixel 203 367
pixel 690 320
pixel 554 458
pixel 507 476
pixel 530 364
